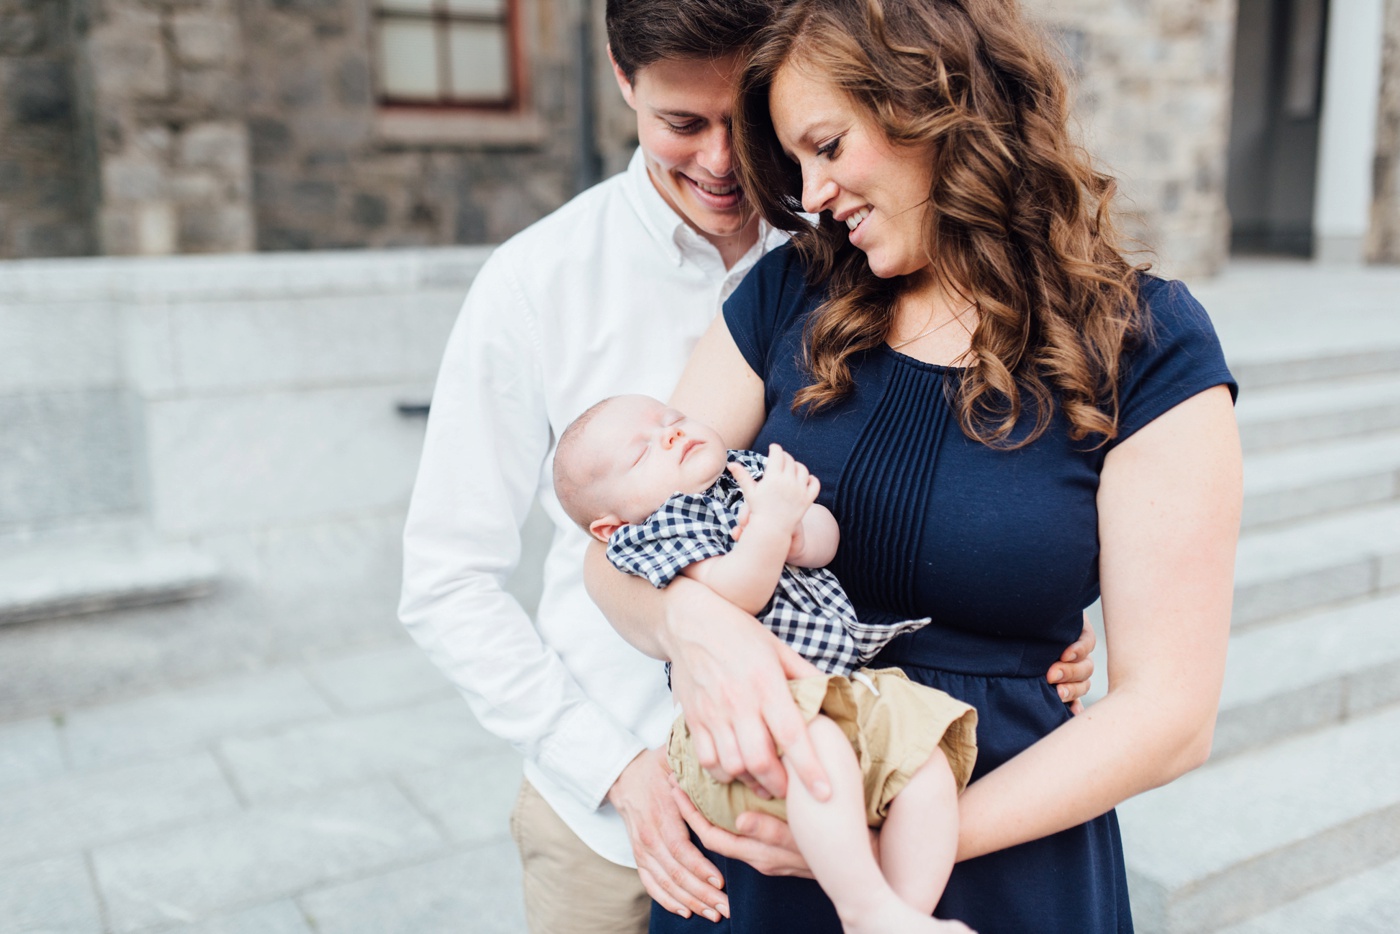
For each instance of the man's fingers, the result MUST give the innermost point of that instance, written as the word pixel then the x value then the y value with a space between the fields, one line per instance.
pixel 661 895
pixel 765 828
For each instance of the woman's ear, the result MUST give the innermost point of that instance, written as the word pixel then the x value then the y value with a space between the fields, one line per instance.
pixel 603 529
pixel 623 84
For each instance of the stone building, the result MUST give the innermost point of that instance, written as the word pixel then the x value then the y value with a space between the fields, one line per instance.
pixel 159 127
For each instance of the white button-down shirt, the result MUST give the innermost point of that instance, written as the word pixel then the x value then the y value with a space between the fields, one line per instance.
pixel 607 295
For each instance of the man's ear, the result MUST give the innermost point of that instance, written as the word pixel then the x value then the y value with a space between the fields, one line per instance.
pixel 603 529
pixel 623 84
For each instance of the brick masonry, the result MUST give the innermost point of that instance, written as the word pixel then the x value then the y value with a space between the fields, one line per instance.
pixel 1383 245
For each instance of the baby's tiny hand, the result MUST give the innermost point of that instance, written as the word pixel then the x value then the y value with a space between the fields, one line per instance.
pixel 783 494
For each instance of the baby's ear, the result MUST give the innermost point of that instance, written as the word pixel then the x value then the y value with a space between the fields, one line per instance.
pixel 603 529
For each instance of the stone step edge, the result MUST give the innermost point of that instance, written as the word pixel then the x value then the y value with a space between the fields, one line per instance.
pixel 189 576
pixel 1320 496
pixel 1288 371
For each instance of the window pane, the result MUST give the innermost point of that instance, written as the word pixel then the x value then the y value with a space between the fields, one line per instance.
pixel 408 60
pixel 487 7
pixel 480 62
pixel 406 6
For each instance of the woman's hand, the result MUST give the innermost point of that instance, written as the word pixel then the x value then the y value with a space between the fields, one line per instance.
pixel 674 872
pixel 730 676
pixel 763 841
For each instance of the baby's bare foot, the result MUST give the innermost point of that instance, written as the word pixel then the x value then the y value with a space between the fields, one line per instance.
pixel 895 917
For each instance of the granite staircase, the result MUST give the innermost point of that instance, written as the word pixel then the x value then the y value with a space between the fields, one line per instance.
pixel 1294 824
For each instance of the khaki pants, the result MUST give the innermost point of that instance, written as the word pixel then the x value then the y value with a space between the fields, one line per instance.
pixel 569 889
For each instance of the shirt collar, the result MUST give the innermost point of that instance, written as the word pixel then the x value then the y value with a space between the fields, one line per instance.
pixel 669 229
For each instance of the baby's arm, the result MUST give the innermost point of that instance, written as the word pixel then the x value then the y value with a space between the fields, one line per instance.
pixel 778 505
pixel 814 543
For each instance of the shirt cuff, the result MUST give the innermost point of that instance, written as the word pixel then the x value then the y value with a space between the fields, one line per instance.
pixel 587 752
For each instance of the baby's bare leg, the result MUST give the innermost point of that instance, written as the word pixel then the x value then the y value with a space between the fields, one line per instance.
pixel 919 841
pixel 835 841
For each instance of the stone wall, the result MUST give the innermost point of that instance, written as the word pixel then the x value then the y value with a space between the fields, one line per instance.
pixel 1383 245
pixel 332 169
pixel 44 200
pixel 1153 95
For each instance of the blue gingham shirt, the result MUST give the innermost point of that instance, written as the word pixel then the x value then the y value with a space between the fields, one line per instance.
pixel 810 610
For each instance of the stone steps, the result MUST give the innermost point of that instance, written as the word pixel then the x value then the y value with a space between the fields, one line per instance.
pixel 70 574
pixel 1309 565
pixel 1233 840
pixel 1366 903
pixel 1296 415
pixel 1313 670
pixel 1302 482
pixel 1336 364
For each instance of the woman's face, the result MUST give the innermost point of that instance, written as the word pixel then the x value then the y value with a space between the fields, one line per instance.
pixel 683 113
pixel 850 170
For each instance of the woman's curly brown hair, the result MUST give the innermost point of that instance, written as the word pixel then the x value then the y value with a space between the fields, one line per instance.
pixel 1018 217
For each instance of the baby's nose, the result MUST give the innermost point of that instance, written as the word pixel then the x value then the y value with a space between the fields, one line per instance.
pixel 670 436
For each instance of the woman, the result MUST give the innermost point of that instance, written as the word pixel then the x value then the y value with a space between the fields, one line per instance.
pixel 1007 419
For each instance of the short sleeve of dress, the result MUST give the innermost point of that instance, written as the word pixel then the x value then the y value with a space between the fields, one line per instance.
pixel 765 305
pixel 683 531
pixel 1178 357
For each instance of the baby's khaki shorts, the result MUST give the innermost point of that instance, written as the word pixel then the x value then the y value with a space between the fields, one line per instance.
pixel 894 729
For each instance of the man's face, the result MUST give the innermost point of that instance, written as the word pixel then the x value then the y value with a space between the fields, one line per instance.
pixel 683 113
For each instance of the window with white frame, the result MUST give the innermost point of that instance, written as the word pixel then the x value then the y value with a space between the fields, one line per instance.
pixel 456 53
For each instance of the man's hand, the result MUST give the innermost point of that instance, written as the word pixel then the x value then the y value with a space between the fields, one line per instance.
pixel 674 872
pixel 1074 669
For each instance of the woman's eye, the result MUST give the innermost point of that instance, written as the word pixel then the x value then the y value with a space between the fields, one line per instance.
pixel 828 149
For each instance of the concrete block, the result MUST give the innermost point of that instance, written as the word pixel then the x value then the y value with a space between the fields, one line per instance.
pixel 58 346
pixel 478 890
pixel 473 798
pixel 324 754
pixel 85 809
pixel 53 896
pixel 65 454
pixel 1260 600
pixel 386 677
pixel 128 57
pixel 1295 415
pixel 200 870
pixel 29 752
pixel 215 145
pixel 176 721
pixel 279 917
pixel 1367 903
pixel 148 349
pixel 235 462
pixel 1231 840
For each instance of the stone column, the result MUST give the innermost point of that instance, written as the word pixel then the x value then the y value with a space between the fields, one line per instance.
pixel 1383 243
pixel 162 89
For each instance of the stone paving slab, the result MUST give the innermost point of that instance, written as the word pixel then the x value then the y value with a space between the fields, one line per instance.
pixel 471 799
pixel 354 748
pixel 476 891
pixel 29 751
pixel 84 809
pixel 190 718
pixel 53 896
pixel 386 677
pixel 193 872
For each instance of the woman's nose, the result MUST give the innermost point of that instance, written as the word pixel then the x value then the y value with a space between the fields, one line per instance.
pixel 817 192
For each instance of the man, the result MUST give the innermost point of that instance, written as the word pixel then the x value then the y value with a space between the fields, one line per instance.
pixel 605 296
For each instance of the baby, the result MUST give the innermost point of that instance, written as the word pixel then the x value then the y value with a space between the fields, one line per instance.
pixel 667 498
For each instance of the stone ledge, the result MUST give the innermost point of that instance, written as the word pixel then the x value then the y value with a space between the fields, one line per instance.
pixel 63 578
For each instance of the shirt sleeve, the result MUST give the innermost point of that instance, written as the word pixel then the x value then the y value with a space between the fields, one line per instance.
pixel 684 531
pixel 487 439
pixel 1178 357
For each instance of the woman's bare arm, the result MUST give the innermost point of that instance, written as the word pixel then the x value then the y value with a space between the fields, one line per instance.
pixel 1169 508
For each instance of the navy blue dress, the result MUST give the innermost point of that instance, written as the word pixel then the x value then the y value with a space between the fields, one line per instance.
pixel 999 547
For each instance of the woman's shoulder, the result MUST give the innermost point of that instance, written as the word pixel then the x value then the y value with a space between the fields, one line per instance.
pixel 773 299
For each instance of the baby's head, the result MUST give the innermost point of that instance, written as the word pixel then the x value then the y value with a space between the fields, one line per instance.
pixel 619 461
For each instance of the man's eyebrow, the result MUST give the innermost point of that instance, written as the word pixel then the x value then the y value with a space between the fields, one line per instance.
pixel 686 114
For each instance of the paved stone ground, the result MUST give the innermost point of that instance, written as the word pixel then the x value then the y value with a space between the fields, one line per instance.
pixel 340 786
